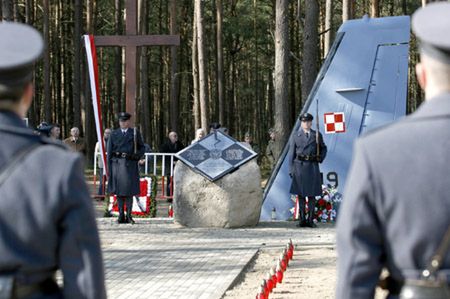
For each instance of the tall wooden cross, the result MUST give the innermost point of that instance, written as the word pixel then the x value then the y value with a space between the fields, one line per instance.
pixel 131 40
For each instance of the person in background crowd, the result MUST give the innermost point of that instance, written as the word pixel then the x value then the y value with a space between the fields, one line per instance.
pixel 199 134
pixel 171 146
pixel 214 126
pixel 101 170
pixel 55 131
pixel 44 129
pixel 271 150
pixel 224 130
pixel 248 142
pixel 75 142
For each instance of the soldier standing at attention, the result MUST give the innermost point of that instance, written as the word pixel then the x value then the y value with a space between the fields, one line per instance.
pixel 304 167
pixel 47 220
pixel 395 209
pixel 125 149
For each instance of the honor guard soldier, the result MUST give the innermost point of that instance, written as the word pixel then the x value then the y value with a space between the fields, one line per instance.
pixel 47 220
pixel 308 150
pixel 395 209
pixel 125 149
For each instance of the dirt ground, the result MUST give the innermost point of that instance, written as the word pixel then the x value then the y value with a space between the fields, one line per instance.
pixel 311 274
pixel 312 271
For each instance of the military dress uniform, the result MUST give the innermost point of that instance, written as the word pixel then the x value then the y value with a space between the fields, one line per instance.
pixel 395 209
pixel 304 169
pixel 47 220
pixel 123 168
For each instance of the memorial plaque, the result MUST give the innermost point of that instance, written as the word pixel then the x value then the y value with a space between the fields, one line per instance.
pixel 216 155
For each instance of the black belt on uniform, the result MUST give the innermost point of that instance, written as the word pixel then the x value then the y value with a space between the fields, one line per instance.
pixel 306 158
pixel 395 286
pixel 48 286
pixel 121 155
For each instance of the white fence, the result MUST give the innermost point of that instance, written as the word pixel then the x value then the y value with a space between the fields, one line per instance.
pixel 157 164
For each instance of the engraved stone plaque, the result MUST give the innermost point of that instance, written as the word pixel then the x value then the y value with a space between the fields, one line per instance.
pixel 216 155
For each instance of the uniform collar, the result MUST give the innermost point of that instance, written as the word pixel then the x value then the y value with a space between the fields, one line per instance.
pixel 10 118
pixel 437 106
pixel 301 132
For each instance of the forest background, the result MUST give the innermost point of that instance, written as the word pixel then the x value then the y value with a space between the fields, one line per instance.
pixel 248 64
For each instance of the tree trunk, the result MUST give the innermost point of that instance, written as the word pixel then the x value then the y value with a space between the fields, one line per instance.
pixel 29 20
pixel 310 47
pixel 8 10
pixel 328 27
pixel 174 82
pixel 47 98
pixel 375 8
pixel 144 88
pixel 118 59
pixel 424 2
pixel 196 106
pixel 202 66
pixel 220 71
pixel 404 10
pixel 76 64
pixel 281 117
pixel 346 10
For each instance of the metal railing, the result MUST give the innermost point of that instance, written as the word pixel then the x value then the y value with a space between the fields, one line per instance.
pixel 154 158
pixel 155 164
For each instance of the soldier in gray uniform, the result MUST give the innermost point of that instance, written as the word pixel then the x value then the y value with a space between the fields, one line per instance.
pixel 46 218
pixel 395 209
pixel 304 167
pixel 125 149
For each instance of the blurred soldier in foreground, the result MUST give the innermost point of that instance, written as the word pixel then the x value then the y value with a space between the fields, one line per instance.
pixel 395 207
pixel 47 219
pixel 125 148
pixel 308 150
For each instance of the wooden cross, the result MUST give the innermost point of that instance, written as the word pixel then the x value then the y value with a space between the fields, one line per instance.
pixel 131 41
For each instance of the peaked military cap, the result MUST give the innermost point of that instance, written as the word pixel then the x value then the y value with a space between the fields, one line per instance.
pixel 306 117
pixel 247 134
pixel 124 116
pixel 431 25
pixel 20 47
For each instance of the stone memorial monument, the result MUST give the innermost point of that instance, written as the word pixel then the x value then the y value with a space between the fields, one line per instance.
pixel 217 184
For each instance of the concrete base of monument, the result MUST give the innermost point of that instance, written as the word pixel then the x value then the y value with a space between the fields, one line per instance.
pixel 235 200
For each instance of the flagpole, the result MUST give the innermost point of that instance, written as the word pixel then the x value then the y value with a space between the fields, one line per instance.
pixel 317 127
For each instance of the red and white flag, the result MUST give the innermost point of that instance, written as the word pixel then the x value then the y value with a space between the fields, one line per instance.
pixel 91 56
pixel 334 122
pixel 296 209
